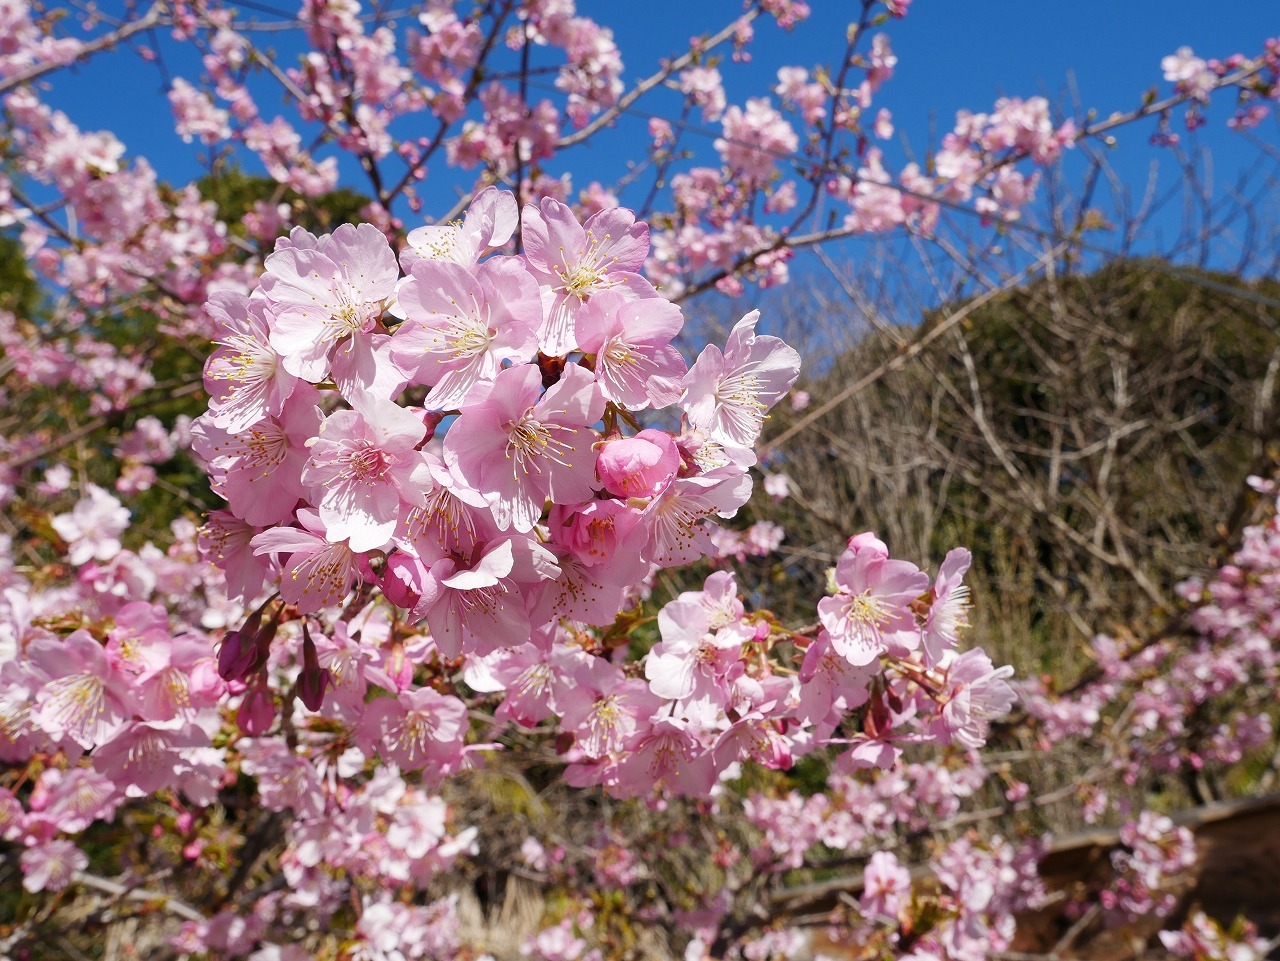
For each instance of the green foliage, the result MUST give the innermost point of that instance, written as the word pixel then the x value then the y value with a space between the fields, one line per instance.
pixel 65 419
pixel 235 193
pixel 19 292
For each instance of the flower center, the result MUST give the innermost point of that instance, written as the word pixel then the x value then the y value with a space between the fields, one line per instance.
pixel 534 680
pixel 866 612
pixel 604 727
pixel 414 733
pixel 528 440
pixel 469 339
pixel 618 353
pixel 438 243
pixel 366 465
pixel 77 702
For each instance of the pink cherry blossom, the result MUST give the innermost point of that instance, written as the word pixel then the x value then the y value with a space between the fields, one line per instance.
pixel 243 375
pixel 693 659
pixel 489 223
pixel 453 519
pixel 365 465
pixel 871 611
pixel 93 527
pixel 886 886
pixel 86 698
pixel 51 866
pixel 521 447
pixel 316 573
pixel 949 608
pixel 260 468
pixel 575 261
pixel 976 693
pixel 321 291
pixel 664 751
pixel 416 728
pixel 480 606
pixel 635 364
pixel 675 517
pixel 462 326
pixel 727 393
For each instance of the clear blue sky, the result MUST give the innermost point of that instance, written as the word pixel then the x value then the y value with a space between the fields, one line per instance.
pixel 951 54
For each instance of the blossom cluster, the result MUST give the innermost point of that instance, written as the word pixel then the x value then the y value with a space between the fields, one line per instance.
pixel 1202 937
pixel 462 480
pixel 1155 853
pixel 430 512
pixel 1185 707
pixel 110 698
pixel 466 439
pixel 1197 78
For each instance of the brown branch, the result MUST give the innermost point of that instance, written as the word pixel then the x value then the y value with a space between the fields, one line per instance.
pixel 129 892
pixel 146 22
pixel 910 349
pixel 102 420
pixel 644 86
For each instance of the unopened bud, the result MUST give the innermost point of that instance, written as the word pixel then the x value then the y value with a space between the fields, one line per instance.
pixel 246 650
pixel 314 679
pixel 237 655
pixel 639 466
pixel 257 710
pixel 312 686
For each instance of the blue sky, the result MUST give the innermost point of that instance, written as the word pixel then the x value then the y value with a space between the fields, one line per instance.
pixel 951 55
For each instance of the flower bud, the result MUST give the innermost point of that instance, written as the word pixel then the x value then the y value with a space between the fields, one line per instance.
pixel 237 655
pixel 257 710
pixel 639 466
pixel 312 686
pixel 245 650
pixel 402 579
pixel 206 684
pixel 314 679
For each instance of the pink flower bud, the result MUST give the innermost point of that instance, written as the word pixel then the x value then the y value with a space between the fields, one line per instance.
pixel 205 683
pixel 401 580
pixel 314 679
pixel 247 649
pixel 257 710
pixel 639 466
pixel 312 686
pixel 236 656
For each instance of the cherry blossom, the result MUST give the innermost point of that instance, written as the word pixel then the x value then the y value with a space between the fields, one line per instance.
pixel 365 463
pixel 574 261
pixel 870 613
pixel 520 446
pixel 460 505
pixel 728 393
pixel 321 291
